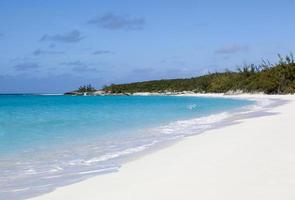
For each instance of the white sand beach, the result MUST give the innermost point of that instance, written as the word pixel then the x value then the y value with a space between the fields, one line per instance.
pixel 253 159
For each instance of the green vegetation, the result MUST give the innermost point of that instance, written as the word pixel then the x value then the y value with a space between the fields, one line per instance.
pixel 86 88
pixel 278 78
pixel 82 90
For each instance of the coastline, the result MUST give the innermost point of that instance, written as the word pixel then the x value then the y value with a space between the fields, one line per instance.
pixel 207 165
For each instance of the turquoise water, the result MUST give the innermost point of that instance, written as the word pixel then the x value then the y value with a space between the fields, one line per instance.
pixel 49 141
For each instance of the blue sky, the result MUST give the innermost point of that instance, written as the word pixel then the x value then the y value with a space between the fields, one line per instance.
pixel 57 45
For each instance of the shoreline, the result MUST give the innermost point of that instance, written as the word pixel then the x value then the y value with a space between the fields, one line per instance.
pixel 169 133
pixel 89 189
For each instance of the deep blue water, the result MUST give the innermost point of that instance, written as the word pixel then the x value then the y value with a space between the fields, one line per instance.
pixel 47 141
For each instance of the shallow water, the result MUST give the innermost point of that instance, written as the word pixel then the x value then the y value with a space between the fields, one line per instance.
pixel 49 141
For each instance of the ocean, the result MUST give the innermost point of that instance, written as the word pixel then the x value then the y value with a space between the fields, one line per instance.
pixel 51 141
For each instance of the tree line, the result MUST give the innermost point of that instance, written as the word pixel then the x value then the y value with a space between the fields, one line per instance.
pixel 277 78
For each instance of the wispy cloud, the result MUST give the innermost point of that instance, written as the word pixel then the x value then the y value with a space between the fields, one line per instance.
pixel 70 37
pixel 26 66
pixel 39 52
pixel 113 21
pixel 143 70
pixel 231 49
pixel 55 83
pixel 80 67
pixel 174 61
pixel 51 46
pixel 160 73
pixel 100 52
pixel 73 63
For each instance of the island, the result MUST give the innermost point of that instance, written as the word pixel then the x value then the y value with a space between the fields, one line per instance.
pixel 267 78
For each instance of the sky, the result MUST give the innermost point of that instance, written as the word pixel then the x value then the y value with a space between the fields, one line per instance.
pixel 55 46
